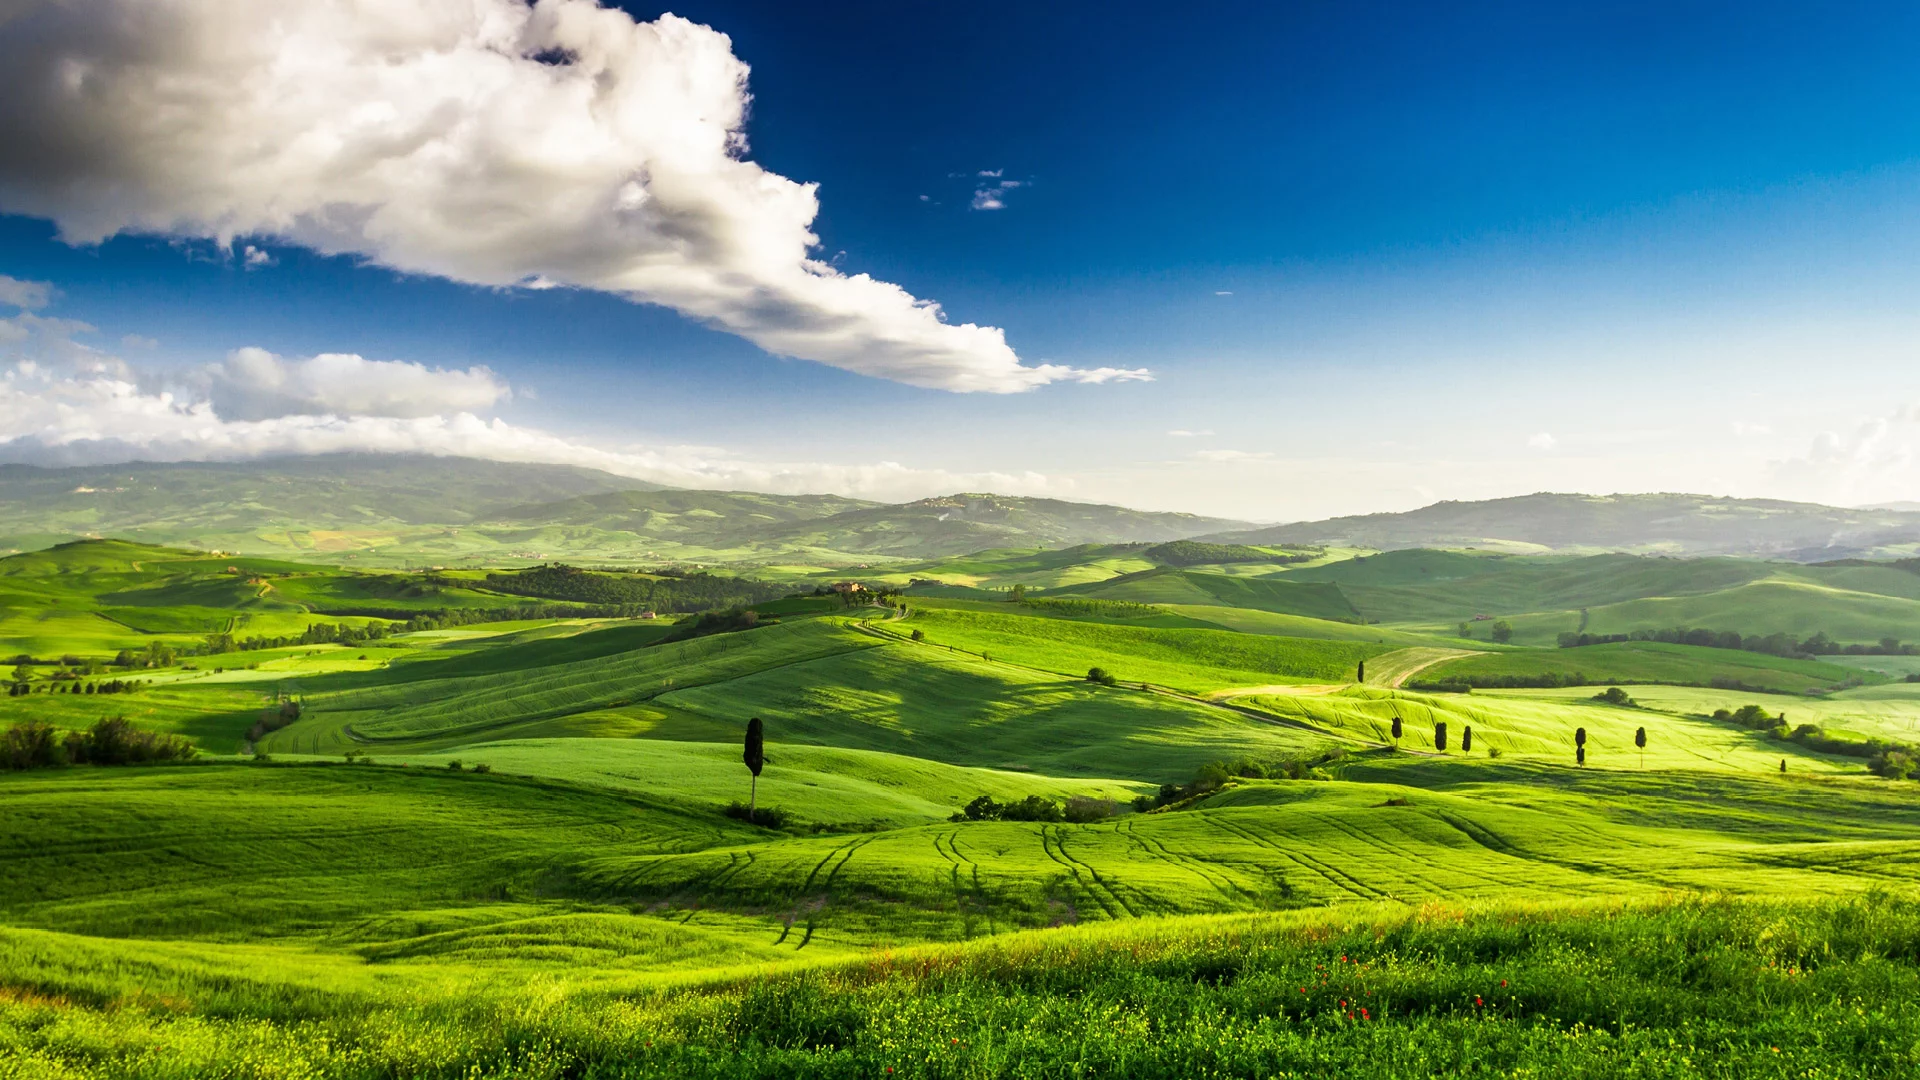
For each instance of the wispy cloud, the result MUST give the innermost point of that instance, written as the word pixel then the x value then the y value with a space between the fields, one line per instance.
pixel 1225 456
pixel 1179 433
pixel 1542 441
pixel 25 295
pixel 991 193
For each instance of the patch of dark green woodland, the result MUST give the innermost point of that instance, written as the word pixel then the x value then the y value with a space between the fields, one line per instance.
pixel 658 591
pixel 1199 553
pixel 709 623
pixel 32 744
pixel 1215 775
pixel 1785 645
pixel 1080 809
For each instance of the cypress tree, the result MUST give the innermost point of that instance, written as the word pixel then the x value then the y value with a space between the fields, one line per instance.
pixel 1361 674
pixel 1440 736
pixel 756 759
pixel 1396 727
pixel 1640 740
pixel 1580 746
pixel 1466 739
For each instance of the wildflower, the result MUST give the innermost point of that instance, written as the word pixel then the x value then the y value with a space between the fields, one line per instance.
pixel 1365 1016
pixel 1503 982
pixel 1477 1002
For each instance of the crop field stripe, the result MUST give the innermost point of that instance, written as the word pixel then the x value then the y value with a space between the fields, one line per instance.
pixel 1219 879
pixel 1335 876
pixel 1060 844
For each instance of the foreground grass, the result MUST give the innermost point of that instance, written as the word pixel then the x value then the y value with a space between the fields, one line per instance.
pixel 1689 988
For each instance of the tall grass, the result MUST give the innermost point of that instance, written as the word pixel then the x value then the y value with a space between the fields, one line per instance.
pixel 1689 989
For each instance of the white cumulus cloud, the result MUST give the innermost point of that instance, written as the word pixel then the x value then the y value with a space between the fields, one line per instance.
pixel 1542 441
pixel 254 384
pixel 492 142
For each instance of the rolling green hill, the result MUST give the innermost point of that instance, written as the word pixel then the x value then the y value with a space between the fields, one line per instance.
pixel 1254 854
pixel 1676 524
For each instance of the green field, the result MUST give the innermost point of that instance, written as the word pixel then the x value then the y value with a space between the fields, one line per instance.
pixel 1649 662
pixel 1718 903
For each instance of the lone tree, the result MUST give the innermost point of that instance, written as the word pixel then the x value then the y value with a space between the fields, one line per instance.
pixel 1466 739
pixel 1360 674
pixel 1580 746
pixel 1640 740
pixel 1440 736
pixel 1502 631
pixel 756 759
pixel 1396 727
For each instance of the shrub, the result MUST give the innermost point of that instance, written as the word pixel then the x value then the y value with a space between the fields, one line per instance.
pixel 483 768
pixel 1102 676
pixel 767 817
pixel 31 745
pixel 1082 809
pixel 1033 808
pixel 1892 764
pixel 917 635
pixel 1613 695
pixel 114 741
pixel 980 809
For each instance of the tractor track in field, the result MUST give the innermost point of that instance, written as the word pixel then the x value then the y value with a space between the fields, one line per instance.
pixel 1197 867
pixel 1049 843
pixel 1334 876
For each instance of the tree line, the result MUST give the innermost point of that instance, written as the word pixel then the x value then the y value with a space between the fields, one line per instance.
pixel 1784 645
pixel 1198 553
pixel 32 744
pixel 680 592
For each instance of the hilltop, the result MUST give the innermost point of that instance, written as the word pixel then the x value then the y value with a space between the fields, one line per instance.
pixel 400 509
pixel 1662 523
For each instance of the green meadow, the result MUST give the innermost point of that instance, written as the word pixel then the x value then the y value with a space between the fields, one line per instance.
pixel 483 837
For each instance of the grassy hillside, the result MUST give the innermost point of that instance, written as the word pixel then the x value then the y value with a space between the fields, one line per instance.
pixel 1192 660
pixel 1666 523
pixel 588 906
pixel 1647 662
pixel 1542 728
pixel 1312 599
pixel 1720 989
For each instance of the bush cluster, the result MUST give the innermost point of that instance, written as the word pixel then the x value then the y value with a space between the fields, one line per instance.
pixel 32 744
pixel 273 718
pixel 716 622
pixel 659 590
pixel 1893 760
pixel 1771 644
pixel 770 817
pixel 1214 775
pixel 1078 808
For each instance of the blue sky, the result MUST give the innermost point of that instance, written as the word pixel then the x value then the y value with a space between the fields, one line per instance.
pixel 1370 257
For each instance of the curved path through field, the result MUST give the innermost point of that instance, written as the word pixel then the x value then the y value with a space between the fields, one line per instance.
pixel 1395 668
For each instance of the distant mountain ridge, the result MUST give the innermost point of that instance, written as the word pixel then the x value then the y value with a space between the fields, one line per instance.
pixel 416 509
pixel 1676 524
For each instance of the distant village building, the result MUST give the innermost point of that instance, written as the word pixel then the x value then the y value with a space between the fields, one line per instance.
pixel 848 587
pixel 647 615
